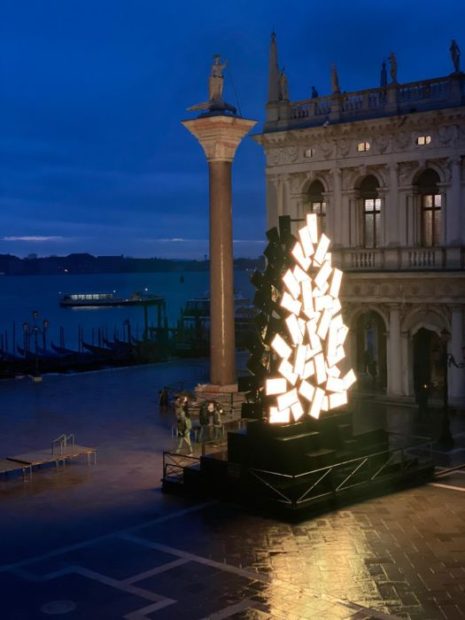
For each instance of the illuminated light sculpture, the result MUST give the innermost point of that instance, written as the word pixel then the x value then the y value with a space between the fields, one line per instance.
pixel 313 345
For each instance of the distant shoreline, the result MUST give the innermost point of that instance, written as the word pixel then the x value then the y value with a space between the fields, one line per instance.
pixel 78 264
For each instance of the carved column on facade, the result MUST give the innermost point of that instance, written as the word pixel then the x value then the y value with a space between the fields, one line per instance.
pixel 456 375
pixel 296 197
pixel 411 232
pixel 394 353
pixel 406 351
pixel 453 207
pixel 284 196
pixel 334 209
pixel 272 190
pixel 354 224
pixel 383 194
pixel 391 220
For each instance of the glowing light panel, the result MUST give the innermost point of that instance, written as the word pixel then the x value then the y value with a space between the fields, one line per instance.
pixel 313 345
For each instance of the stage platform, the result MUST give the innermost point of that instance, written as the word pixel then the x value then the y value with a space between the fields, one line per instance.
pixel 314 465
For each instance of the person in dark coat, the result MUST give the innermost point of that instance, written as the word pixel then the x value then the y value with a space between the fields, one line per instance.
pixel 205 414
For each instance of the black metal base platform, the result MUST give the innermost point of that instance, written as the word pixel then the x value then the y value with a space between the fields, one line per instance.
pixel 300 468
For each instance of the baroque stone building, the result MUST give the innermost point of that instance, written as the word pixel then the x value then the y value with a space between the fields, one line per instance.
pixel 384 169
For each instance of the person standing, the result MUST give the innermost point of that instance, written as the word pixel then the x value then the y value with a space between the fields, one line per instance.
pixel 184 425
pixel 206 412
pixel 217 423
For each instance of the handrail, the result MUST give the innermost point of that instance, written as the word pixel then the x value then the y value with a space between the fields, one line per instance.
pixel 176 464
pixel 63 441
pixel 357 464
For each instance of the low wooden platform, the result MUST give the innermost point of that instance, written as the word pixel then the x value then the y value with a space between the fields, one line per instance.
pixel 38 457
pixel 7 467
pixel 58 456
pixel 72 451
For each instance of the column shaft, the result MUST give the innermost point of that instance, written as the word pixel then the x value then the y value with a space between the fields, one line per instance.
pixel 222 340
pixel 456 375
pixel 394 384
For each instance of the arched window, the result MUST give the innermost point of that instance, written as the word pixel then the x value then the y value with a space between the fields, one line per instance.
pixel 317 204
pixel 431 208
pixel 371 205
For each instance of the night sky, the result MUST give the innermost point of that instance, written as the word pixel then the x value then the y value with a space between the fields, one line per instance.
pixel 93 157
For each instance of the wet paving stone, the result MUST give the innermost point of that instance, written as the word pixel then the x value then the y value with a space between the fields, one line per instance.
pixel 106 540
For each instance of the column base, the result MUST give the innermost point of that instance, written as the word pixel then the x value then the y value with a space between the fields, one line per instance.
pixel 209 389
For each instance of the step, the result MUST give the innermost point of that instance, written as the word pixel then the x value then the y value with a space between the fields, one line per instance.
pixel 320 458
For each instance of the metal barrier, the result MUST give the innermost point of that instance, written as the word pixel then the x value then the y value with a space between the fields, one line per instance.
pixel 63 441
pixel 174 464
pixel 333 479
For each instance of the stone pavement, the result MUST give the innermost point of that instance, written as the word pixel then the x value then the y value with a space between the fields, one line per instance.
pixel 102 542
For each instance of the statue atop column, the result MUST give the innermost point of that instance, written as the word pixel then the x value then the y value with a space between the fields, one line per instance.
pixel 216 80
pixel 393 69
pixel 455 55
pixel 215 103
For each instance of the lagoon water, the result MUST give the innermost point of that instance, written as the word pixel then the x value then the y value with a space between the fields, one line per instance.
pixel 20 296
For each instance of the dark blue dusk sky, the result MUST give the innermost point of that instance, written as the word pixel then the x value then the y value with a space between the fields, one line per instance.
pixel 92 153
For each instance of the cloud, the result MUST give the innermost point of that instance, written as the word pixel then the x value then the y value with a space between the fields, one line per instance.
pixel 35 238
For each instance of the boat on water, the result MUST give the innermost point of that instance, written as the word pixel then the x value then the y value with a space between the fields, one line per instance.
pixel 95 300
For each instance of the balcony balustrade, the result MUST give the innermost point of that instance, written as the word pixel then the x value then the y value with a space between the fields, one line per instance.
pixel 399 259
pixel 377 102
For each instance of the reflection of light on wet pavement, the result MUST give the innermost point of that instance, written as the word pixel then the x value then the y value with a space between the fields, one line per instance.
pixel 401 555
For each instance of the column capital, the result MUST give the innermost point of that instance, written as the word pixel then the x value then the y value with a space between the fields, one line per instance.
pixel 219 135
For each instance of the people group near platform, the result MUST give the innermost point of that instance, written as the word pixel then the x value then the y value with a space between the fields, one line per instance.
pixel 208 427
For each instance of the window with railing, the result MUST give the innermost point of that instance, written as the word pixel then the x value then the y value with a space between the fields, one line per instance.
pixel 316 203
pixel 431 220
pixel 371 206
pixel 431 208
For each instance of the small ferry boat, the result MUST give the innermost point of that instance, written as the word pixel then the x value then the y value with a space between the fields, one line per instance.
pixel 92 300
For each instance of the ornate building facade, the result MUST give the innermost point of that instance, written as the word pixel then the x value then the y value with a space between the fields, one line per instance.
pixel 384 169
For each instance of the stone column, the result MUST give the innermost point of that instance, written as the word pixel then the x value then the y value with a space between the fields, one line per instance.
pixel 219 136
pixel 451 210
pixel 391 208
pixel 272 188
pixel 456 375
pixel 394 378
pixel 334 209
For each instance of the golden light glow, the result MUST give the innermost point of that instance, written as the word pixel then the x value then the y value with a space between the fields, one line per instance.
pixel 310 380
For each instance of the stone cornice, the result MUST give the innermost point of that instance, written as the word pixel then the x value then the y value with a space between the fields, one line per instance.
pixel 219 135
pixel 402 288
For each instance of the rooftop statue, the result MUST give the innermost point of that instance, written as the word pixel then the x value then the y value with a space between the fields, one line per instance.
pixel 455 55
pixel 335 88
pixel 283 87
pixel 393 69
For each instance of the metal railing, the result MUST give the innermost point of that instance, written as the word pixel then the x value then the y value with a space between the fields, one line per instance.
pixel 63 441
pixel 326 482
pixel 174 464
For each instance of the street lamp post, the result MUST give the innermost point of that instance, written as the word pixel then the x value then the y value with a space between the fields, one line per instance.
pixel 445 439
